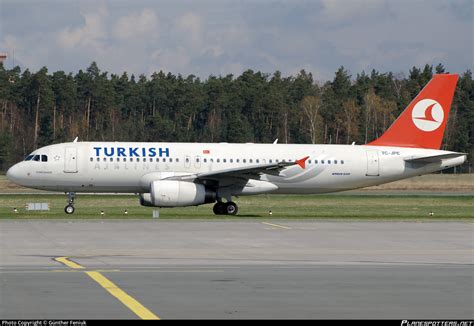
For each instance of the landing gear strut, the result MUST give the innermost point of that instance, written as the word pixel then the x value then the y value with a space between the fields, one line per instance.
pixel 228 208
pixel 69 209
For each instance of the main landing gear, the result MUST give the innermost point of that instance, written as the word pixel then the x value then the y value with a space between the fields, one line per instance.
pixel 69 209
pixel 228 208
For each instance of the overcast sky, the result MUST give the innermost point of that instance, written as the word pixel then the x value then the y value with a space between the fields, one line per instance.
pixel 219 37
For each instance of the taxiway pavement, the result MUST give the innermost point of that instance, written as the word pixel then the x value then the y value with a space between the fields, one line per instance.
pixel 236 269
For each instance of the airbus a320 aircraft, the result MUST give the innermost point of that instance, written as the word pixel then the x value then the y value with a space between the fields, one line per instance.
pixel 187 174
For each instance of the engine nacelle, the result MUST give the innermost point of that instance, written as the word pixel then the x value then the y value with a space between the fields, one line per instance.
pixel 172 193
pixel 145 200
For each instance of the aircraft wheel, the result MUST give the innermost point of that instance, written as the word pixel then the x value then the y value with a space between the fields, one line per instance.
pixel 231 208
pixel 219 208
pixel 69 209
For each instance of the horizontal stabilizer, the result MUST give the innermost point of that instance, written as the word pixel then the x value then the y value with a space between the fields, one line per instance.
pixel 433 158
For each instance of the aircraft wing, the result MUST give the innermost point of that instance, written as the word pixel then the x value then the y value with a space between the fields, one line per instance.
pixel 248 172
pixel 433 158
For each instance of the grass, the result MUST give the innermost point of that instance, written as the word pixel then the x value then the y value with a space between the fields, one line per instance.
pixel 339 206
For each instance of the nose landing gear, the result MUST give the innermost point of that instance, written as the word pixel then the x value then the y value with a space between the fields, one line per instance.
pixel 69 209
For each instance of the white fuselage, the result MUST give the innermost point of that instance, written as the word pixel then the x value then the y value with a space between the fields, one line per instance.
pixel 127 167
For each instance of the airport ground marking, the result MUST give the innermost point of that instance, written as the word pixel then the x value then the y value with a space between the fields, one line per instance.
pixel 277 226
pixel 75 271
pixel 122 296
pixel 68 263
pixel 132 304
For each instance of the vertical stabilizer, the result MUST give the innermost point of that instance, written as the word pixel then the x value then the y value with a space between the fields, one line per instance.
pixel 423 122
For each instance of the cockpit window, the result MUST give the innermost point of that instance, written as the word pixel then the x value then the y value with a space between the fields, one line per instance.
pixel 29 157
pixel 36 158
pixel 44 158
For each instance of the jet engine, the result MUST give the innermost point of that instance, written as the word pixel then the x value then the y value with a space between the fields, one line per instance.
pixel 172 193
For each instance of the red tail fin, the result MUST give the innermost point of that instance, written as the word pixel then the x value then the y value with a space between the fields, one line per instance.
pixel 423 122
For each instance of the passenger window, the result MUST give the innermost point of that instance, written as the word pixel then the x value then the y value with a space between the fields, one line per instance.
pixel 250 160
pixel 105 159
pixel 111 159
pixel 257 161
pixel 138 159
pixel 98 159
pixel 315 161
pixel 92 159
pixel 124 159
pixel 164 159
pixel 237 160
pixel 231 160
pixel 144 159
pixel 224 160
pixel 309 161
pixel 171 160
pixel 329 161
pixel 342 161
pixel 211 160
pixel 187 160
pixel 205 160
pixel 244 160
pixel 118 159
pixel 322 161
pixel 177 160
pixel 218 160
pixel 131 159
pixel 335 161
pixel 157 159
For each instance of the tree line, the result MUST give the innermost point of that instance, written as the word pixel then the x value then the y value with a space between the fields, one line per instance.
pixel 37 109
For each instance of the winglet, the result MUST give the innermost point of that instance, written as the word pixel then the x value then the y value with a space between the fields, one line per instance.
pixel 302 162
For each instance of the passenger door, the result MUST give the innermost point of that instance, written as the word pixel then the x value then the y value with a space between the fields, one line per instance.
pixel 70 160
pixel 372 163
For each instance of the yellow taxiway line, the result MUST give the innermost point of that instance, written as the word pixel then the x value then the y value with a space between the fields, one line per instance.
pixel 132 304
pixel 277 226
pixel 68 263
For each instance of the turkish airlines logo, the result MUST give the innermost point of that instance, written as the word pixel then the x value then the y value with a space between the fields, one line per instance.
pixel 427 115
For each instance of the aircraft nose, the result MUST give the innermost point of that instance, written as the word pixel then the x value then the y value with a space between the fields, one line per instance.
pixel 13 173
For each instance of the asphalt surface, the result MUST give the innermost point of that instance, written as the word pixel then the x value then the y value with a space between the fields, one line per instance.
pixel 242 269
